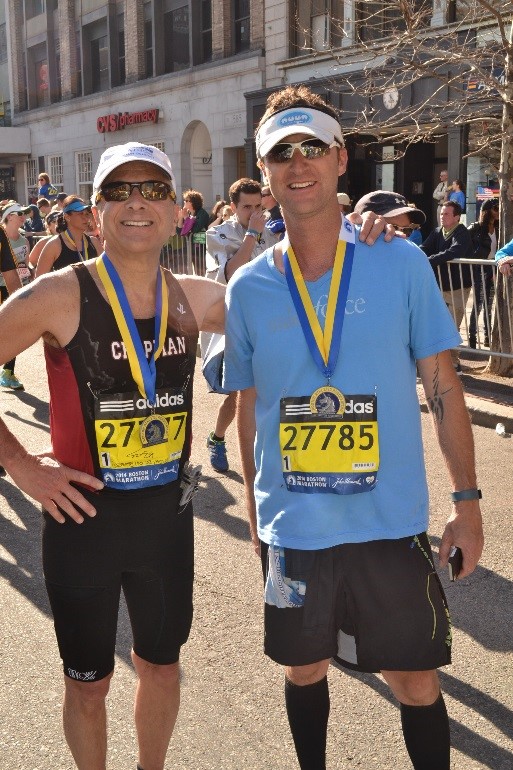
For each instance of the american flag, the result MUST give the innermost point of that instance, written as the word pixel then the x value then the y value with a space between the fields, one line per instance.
pixel 485 193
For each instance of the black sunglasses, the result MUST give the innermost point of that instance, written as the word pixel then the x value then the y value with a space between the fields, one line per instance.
pixel 406 230
pixel 309 149
pixel 150 190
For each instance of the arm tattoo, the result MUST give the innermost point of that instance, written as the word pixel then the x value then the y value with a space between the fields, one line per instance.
pixel 435 402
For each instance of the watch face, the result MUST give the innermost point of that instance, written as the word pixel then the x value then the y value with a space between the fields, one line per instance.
pixel 390 97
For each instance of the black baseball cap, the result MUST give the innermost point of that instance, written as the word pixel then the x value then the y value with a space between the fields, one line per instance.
pixel 490 204
pixel 61 196
pixel 389 204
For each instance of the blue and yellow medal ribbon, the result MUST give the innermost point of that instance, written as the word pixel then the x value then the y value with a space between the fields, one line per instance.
pixel 324 345
pixel 84 253
pixel 143 371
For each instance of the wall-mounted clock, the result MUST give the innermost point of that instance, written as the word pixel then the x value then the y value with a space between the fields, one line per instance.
pixel 390 98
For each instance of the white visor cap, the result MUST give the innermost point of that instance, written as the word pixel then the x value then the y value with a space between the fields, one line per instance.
pixel 298 120
pixel 120 154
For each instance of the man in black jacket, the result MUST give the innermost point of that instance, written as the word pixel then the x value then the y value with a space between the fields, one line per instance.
pixel 451 241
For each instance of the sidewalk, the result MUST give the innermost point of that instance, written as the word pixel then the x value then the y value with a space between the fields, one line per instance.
pixel 489 398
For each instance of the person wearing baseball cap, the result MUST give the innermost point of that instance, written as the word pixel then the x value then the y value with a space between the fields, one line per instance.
pixel 120 337
pixel 71 242
pixel 403 217
pixel 323 335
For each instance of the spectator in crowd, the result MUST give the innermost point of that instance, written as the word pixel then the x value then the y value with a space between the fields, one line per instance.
pixel 440 193
pixel 344 202
pixel 230 245
pixel 451 241
pixel 34 224
pixel 46 188
pixel 192 210
pixel 394 208
pixel 215 214
pixel 59 200
pixel 457 194
pixel 484 234
pixel 226 213
pixel 11 217
pixel 51 230
pixel 274 219
pixel 44 207
pixel 71 244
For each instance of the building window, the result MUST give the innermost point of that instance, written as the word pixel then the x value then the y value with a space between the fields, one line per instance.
pixel 79 65
pixel 55 171
pixel 100 64
pixel 121 50
pixel 148 40
pixel 42 83
pixel 3 44
pixel 316 25
pixel 32 175
pixel 84 166
pixel 159 145
pixel 34 8
pixel 377 20
pixel 206 30
pixel 176 36
pixel 241 24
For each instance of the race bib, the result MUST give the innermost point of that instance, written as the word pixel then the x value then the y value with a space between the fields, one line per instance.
pixel 329 444
pixel 139 447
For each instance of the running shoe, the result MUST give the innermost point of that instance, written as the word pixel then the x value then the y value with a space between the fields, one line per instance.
pixel 218 458
pixel 9 380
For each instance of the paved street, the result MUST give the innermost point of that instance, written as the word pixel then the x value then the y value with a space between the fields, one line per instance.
pixel 232 713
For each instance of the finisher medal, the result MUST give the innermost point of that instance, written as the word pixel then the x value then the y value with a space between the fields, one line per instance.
pixel 153 430
pixel 327 401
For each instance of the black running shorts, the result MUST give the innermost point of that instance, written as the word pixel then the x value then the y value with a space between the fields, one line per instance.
pixel 138 542
pixel 371 606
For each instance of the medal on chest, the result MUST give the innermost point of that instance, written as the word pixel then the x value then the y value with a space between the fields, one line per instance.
pixel 135 448
pixel 328 440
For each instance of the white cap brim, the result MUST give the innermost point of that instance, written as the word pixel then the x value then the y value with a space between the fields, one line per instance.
pixel 120 154
pixel 298 120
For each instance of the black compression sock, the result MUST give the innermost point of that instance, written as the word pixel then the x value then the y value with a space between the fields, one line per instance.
pixel 426 735
pixel 308 710
pixel 217 438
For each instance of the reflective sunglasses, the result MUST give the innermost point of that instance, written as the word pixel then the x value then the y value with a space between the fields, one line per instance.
pixel 406 230
pixel 150 191
pixel 309 149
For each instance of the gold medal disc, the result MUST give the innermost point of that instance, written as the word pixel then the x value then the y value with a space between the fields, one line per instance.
pixel 153 430
pixel 327 401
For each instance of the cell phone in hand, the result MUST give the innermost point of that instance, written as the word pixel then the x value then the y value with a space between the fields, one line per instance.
pixel 455 562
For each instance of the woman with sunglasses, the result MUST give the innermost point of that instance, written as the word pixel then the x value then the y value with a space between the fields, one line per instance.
pixel 71 244
pixel 12 216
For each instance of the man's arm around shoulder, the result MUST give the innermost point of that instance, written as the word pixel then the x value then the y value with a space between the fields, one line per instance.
pixel 451 421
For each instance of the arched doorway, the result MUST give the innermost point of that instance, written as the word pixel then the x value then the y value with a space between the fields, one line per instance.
pixel 196 158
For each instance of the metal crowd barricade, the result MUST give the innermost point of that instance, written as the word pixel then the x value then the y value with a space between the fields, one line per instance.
pixel 489 314
pixel 185 254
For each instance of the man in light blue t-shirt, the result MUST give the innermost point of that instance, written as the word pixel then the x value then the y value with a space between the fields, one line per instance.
pixel 323 338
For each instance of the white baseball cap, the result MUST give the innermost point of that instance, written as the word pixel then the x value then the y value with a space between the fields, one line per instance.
pixel 120 154
pixel 296 120
pixel 14 208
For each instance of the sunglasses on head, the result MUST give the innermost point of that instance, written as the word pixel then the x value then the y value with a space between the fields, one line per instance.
pixel 405 230
pixel 150 191
pixel 309 149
